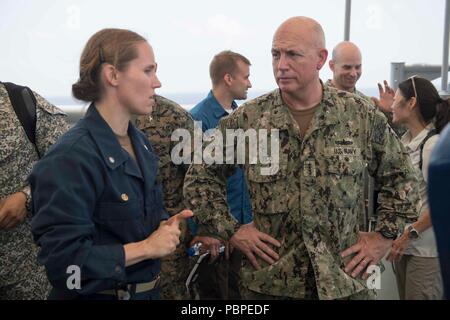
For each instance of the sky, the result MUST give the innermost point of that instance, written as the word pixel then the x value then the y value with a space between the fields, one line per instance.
pixel 42 40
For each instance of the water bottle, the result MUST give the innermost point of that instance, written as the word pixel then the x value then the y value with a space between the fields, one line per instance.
pixel 195 249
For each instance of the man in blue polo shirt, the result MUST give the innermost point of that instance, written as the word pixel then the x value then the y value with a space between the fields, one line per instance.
pixel 229 72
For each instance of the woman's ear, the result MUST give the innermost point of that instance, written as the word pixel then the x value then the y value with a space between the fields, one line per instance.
pixel 110 75
pixel 412 102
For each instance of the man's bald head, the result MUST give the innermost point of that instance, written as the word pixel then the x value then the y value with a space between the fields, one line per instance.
pixel 346 50
pixel 346 64
pixel 306 28
pixel 298 54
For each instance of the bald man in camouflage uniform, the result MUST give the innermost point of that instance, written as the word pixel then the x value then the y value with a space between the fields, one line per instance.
pixel 165 118
pixel 305 242
pixel 21 278
pixel 346 65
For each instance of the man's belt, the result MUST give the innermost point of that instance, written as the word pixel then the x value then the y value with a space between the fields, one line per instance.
pixel 124 294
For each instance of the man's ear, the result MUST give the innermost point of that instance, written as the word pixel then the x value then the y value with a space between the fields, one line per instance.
pixel 110 75
pixel 331 65
pixel 228 78
pixel 323 55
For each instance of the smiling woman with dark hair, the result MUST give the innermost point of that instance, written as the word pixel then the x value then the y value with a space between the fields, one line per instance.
pixel 418 106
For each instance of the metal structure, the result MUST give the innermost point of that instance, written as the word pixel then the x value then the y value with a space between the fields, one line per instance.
pixel 444 83
pixel 400 71
pixel 348 11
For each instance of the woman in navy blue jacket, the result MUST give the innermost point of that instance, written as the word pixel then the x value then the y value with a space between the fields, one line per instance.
pixel 98 210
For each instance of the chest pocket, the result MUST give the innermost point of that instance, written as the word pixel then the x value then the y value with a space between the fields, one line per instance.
pixel 344 178
pixel 120 211
pixel 273 201
pixel 269 193
pixel 121 221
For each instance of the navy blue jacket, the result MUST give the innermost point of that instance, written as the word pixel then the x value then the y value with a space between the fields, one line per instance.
pixel 89 199
pixel 438 196
pixel 209 112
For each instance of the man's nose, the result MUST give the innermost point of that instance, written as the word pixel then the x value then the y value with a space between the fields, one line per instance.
pixel 282 62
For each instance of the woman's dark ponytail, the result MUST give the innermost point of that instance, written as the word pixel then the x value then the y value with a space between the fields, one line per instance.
pixel 442 114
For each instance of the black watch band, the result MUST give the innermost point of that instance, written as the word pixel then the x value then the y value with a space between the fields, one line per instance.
pixel 388 235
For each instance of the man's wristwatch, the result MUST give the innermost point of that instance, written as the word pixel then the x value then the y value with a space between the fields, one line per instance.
pixel 388 235
pixel 412 233
pixel 27 192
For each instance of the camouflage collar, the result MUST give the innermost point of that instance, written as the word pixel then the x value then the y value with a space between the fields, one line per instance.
pixel 326 114
pixel 355 91
pixel 331 84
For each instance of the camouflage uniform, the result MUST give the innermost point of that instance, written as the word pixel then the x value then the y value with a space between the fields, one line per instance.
pixel 20 275
pixel 370 193
pixel 311 204
pixel 357 92
pixel 398 129
pixel 166 117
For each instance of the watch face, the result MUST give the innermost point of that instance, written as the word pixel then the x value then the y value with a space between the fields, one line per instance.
pixel 413 234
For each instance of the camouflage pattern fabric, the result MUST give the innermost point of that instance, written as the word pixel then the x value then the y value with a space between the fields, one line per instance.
pixel 312 203
pixel 398 129
pixel 165 118
pixel 357 92
pixel 368 180
pixel 20 275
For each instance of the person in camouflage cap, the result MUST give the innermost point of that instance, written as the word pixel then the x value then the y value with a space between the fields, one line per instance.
pixel 165 118
pixel 305 242
pixel 21 278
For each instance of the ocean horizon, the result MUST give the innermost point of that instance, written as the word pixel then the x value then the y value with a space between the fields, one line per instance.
pixel 185 100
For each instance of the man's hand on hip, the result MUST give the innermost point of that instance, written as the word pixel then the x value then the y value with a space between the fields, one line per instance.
pixel 369 250
pixel 251 241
